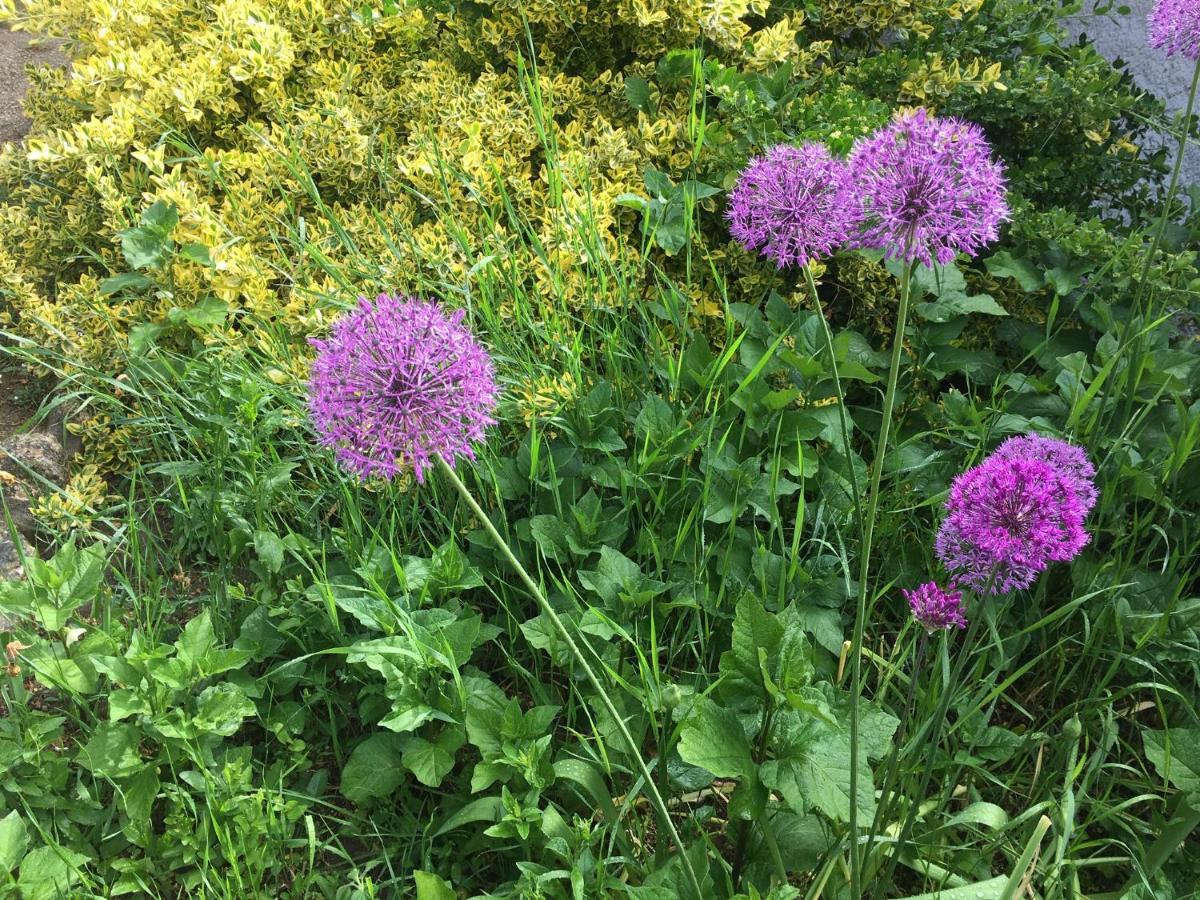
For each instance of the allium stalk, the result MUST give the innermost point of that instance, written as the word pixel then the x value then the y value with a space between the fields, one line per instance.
pixel 930 190
pixel 794 205
pixel 1175 28
pixel 401 384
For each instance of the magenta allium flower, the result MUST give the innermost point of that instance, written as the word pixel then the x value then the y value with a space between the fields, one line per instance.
pixel 934 608
pixel 1175 27
pixel 793 204
pixel 397 383
pixel 1008 519
pixel 929 187
pixel 1070 461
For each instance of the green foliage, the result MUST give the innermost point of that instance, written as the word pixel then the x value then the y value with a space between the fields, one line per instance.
pixel 250 676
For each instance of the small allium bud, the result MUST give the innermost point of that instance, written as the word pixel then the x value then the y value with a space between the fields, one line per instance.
pixel 936 609
pixel 1072 728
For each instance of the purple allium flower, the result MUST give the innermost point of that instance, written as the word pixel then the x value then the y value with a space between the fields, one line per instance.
pixel 934 608
pixel 793 204
pixel 929 189
pixel 1070 460
pixel 398 382
pixel 1175 27
pixel 1008 519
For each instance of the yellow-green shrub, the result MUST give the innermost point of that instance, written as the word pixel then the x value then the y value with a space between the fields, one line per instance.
pixel 224 109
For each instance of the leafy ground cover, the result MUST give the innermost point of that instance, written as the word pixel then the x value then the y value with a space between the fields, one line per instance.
pixel 241 671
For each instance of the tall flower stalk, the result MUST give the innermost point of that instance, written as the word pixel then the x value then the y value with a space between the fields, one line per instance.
pixel 401 385
pixel 1007 520
pixel 1174 28
pixel 929 190
pixel 795 205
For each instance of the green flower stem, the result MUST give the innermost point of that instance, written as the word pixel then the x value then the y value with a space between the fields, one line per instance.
pixel 564 633
pixel 934 738
pixel 1135 356
pixel 743 838
pixel 893 764
pixel 864 571
pixel 843 418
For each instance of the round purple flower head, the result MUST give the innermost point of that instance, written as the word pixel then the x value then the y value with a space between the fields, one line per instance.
pixel 1070 461
pixel 934 608
pixel 793 204
pixel 398 382
pixel 929 188
pixel 1007 520
pixel 1175 27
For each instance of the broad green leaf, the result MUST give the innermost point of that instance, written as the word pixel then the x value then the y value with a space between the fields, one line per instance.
pixel 433 887
pixel 432 761
pixel 876 727
pixel 126 281
pixel 196 639
pixel 269 548
pixel 112 751
pixel 126 702
pixel 145 248
pixel 588 777
pixel 54 667
pixel 137 802
pixel 754 629
pixel 161 216
pixel 1175 754
pixel 142 338
pixel 221 709
pixel 208 313
pixel 49 873
pixel 637 92
pixel 713 739
pixel 1005 265
pixel 14 838
pixel 811 768
pixel 950 305
pixel 485 809
pixel 619 580
pixel 374 768
pixel 549 532
pixel 197 253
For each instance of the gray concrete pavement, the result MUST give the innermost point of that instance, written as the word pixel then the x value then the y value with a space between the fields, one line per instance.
pixel 1123 38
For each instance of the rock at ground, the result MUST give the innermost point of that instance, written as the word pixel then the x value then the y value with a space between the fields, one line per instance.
pixel 36 452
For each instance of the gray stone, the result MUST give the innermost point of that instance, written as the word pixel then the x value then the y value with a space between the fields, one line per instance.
pixel 10 557
pixel 38 451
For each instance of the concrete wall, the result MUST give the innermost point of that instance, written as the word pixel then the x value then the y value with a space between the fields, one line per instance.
pixel 1124 38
